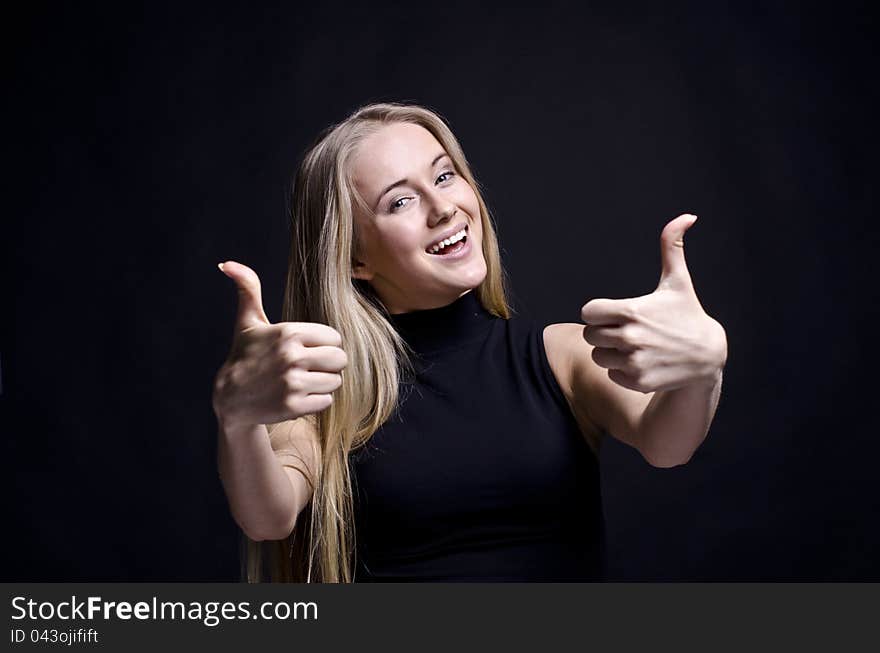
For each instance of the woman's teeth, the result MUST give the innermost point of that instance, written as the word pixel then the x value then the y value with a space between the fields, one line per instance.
pixel 448 241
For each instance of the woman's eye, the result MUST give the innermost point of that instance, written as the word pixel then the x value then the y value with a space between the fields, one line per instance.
pixel 396 204
pixel 399 203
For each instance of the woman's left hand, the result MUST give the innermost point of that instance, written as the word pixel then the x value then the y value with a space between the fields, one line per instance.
pixel 660 341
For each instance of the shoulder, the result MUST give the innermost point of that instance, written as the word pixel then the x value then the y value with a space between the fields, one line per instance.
pixel 565 347
pixel 561 341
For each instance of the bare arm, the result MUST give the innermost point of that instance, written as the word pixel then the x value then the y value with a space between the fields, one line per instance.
pixel 267 479
pixel 594 398
pixel 666 427
pixel 275 379
pixel 676 422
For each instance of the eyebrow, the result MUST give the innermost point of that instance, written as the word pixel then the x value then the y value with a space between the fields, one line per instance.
pixel 401 182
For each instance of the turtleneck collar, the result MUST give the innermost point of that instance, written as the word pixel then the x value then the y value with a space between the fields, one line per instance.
pixel 447 327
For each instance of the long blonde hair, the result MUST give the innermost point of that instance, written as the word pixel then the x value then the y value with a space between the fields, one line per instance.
pixel 320 288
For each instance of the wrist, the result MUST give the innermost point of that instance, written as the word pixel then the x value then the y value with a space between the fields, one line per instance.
pixel 716 357
pixel 714 379
pixel 233 429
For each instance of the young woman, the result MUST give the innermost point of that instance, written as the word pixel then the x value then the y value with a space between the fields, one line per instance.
pixel 400 424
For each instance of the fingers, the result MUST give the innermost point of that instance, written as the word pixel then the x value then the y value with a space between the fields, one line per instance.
pixel 322 359
pixel 310 334
pixel 250 298
pixel 309 382
pixel 310 404
pixel 606 311
pixel 275 372
pixel 607 336
pixel 311 346
pixel 612 359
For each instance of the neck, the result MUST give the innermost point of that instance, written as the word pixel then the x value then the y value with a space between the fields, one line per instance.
pixel 404 311
pixel 445 327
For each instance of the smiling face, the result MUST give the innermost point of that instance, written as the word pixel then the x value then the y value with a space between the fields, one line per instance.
pixel 416 198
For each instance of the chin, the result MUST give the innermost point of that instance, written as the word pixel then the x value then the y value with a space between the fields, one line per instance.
pixel 480 276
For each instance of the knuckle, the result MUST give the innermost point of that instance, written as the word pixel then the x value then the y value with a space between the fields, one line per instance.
pixel 629 333
pixel 288 332
pixel 630 312
pixel 636 361
pixel 293 381
pixel 221 381
pixel 233 377
pixel 289 353
pixel 291 404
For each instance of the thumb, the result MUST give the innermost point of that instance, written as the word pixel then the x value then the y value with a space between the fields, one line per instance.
pixel 675 273
pixel 250 299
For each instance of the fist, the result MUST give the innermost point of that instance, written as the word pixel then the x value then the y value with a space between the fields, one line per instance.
pixel 663 340
pixel 274 372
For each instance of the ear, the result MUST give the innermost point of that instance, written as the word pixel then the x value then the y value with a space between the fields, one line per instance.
pixel 360 270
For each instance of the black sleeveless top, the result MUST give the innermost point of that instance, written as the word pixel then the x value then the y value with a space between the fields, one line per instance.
pixel 482 474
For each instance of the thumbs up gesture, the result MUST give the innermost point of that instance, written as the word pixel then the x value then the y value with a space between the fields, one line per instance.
pixel 274 372
pixel 661 341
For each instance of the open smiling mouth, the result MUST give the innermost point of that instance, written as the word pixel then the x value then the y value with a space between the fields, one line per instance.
pixel 452 245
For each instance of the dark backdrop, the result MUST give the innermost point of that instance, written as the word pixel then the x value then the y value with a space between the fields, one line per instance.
pixel 145 146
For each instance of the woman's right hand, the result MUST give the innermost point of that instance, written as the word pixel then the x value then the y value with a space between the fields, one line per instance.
pixel 274 372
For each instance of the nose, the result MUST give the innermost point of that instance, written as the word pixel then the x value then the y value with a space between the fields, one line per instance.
pixel 441 209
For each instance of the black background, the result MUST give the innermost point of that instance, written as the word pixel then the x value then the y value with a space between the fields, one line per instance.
pixel 146 145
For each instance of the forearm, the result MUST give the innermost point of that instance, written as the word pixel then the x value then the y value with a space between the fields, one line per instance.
pixel 261 496
pixel 676 422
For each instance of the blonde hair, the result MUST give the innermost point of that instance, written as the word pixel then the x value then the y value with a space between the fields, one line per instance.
pixel 320 288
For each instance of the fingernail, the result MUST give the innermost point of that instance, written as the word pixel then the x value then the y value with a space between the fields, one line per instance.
pixel 220 265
